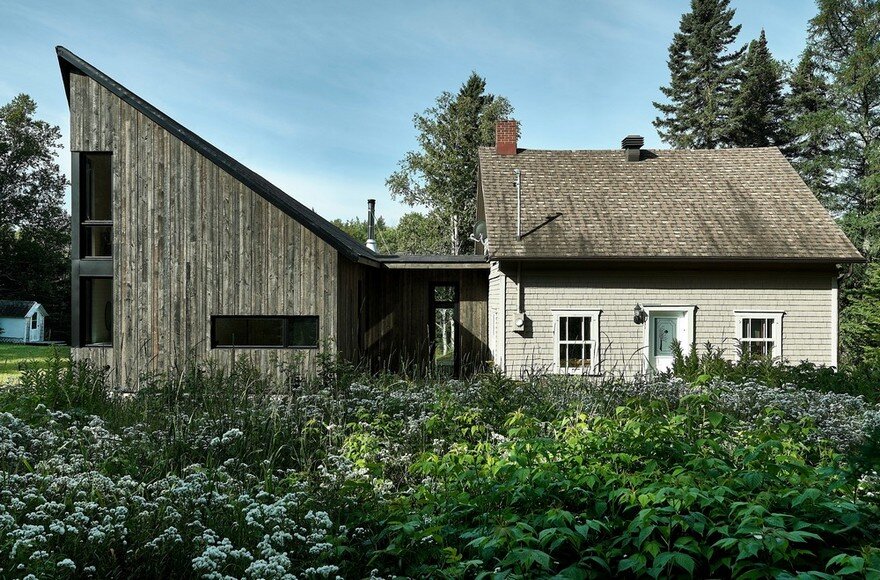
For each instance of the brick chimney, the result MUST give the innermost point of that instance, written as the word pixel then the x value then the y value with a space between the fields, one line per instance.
pixel 505 137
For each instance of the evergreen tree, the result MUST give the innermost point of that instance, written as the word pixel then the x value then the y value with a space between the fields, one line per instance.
pixel 703 74
pixel 845 38
pixel 442 175
pixel 809 113
pixel 758 111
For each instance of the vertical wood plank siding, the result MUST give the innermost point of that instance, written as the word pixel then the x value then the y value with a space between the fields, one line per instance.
pixel 189 242
pixel 397 315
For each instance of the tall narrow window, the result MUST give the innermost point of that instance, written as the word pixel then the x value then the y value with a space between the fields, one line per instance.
pixel 760 334
pixel 96 217
pixel 96 316
pixel 577 342
pixel 443 329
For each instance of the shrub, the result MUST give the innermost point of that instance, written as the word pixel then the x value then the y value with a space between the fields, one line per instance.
pixel 222 473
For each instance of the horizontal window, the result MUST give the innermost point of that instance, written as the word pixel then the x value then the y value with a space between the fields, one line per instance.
pixel 264 331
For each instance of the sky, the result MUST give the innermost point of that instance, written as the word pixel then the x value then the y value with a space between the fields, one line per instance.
pixel 319 97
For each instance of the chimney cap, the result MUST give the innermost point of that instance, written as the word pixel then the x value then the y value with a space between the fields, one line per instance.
pixel 632 142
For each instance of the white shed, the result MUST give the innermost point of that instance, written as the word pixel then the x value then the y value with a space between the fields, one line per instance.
pixel 22 321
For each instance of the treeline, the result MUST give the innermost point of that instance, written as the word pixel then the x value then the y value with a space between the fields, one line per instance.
pixel 823 112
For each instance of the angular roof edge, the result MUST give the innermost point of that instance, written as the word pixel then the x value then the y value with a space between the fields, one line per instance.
pixel 338 239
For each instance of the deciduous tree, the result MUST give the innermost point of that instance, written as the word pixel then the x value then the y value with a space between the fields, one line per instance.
pixel 442 174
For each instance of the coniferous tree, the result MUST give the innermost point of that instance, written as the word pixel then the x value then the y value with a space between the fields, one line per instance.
pixel 703 74
pixel 442 175
pixel 758 111
pixel 809 111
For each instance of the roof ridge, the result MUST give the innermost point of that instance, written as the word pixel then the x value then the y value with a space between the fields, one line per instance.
pixel 311 220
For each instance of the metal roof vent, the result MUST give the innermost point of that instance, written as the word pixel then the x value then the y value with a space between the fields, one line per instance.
pixel 633 144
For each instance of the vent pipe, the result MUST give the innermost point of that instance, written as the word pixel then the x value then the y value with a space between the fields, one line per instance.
pixel 633 145
pixel 518 184
pixel 371 225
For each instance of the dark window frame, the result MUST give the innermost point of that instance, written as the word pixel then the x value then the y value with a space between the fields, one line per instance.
pixel 81 214
pixel 85 320
pixel 285 319
pixel 455 305
pixel 83 266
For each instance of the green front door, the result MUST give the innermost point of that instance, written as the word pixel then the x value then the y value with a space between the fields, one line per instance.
pixel 663 332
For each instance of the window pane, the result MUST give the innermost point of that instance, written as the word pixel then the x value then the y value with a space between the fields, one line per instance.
pixel 758 327
pixel 770 328
pixel 302 331
pixel 575 328
pixel 97 241
pixel 745 328
pixel 575 356
pixel 230 331
pixel 563 328
pixel 444 293
pixel 563 356
pixel 97 311
pixel 96 187
pixel 265 332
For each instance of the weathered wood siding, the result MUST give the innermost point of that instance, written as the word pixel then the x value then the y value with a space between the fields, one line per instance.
pixel 807 297
pixel 396 317
pixel 189 242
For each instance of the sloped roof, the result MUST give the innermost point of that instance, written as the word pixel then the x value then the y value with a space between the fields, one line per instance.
pixel 15 308
pixel 338 239
pixel 721 204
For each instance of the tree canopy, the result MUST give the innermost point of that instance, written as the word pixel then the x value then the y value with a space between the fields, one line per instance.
pixel 442 174
pixel 703 72
pixel 34 227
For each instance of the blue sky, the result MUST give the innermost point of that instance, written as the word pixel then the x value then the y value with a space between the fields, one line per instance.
pixel 318 97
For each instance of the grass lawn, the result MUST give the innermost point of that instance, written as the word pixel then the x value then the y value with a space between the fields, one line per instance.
pixel 14 356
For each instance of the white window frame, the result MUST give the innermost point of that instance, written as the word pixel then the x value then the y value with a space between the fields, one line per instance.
pixel 776 316
pixel 594 341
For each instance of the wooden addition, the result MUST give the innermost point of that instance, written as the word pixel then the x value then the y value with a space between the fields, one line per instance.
pixel 195 234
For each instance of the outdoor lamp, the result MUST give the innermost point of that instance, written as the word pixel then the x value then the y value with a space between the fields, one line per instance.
pixel 638 314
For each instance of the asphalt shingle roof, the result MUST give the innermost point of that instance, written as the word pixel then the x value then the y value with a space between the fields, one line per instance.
pixel 15 308
pixel 722 204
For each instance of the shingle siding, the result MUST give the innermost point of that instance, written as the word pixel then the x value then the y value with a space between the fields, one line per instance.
pixel 806 298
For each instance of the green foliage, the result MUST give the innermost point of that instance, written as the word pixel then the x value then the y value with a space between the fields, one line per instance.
pixel 758 109
pixel 809 112
pixel 712 362
pixel 221 472
pixel 442 174
pixel 34 228
pixel 703 75
pixel 415 233
pixel 639 492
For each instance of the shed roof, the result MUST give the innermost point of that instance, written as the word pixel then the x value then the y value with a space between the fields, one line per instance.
pixel 721 204
pixel 15 308
pixel 331 234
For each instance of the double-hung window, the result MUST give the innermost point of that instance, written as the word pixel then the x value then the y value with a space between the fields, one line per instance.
pixel 760 333
pixel 576 341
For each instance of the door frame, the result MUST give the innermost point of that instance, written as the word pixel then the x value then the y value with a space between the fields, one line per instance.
pixel 687 312
pixel 455 304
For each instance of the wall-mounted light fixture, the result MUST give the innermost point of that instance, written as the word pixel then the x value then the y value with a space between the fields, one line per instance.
pixel 639 314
